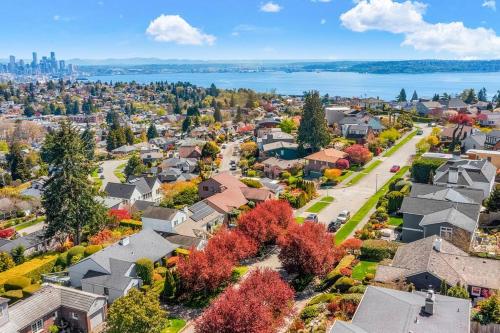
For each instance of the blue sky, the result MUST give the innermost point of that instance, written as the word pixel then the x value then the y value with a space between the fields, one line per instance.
pixel 248 29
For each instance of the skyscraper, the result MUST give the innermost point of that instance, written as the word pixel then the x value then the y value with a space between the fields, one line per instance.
pixel 34 63
pixel 12 64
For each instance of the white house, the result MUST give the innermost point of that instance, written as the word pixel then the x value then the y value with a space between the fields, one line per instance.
pixel 162 219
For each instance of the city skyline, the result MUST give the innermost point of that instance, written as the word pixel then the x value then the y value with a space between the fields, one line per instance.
pixel 255 30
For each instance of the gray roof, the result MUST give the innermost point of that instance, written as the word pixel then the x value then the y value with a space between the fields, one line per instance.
pixel 119 190
pixel 423 206
pixel 451 216
pixel 279 145
pixel 443 193
pixel 48 299
pixel 145 244
pixel 402 313
pixel 159 213
pixel 450 264
pixel 118 278
pixel 142 204
pixel 28 241
pixel 200 210
pixel 465 172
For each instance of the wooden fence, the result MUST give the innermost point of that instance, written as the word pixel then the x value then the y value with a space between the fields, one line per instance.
pixel 476 327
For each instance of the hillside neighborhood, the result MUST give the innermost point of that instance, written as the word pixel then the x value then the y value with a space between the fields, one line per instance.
pixel 169 207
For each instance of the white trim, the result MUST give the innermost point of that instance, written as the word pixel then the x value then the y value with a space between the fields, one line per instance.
pixel 412 229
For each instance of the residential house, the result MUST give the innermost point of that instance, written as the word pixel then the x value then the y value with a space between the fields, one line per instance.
pixel 456 104
pixel 383 310
pixel 112 272
pixel 275 135
pixel 32 243
pixel 281 149
pixel 488 119
pixel 446 135
pixel 73 309
pixel 429 108
pixel 162 219
pixel 224 192
pixel 190 149
pixel 123 150
pixel 186 165
pixel 433 261
pixel 492 140
pixel 265 126
pixel 334 114
pixel 492 156
pixel 359 133
pixel 476 174
pixel 273 167
pixel 201 221
pixel 474 141
pixel 151 157
pixel 450 213
pixel 317 162
pixel 137 188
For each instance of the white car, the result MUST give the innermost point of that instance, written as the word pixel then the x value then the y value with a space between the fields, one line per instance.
pixel 344 216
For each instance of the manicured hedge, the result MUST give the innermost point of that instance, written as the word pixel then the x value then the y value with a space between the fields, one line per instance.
pixel 378 249
pixel 91 249
pixel 31 289
pixel 310 312
pixel 335 274
pixel 75 251
pixel 322 298
pixel 131 223
pixel 13 295
pixel 31 269
pixel 423 168
pixel 16 283
pixel 343 284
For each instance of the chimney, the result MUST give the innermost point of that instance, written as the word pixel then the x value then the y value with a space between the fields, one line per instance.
pixel 124 241
pixel 429 302
pixel 438 242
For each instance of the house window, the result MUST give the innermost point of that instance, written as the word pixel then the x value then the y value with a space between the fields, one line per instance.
pixel 74 315
pixel 106 291
pixel 205 188
pixel 37 326
pixel 445 232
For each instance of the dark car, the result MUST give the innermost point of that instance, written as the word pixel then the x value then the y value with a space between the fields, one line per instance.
pixel 334 226
pixel 311 218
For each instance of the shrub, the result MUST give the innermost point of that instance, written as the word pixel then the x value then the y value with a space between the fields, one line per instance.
pixel 423 168
pixel 7 233
pixel 335 274
pixel 75 251
pixel 251 182
pixel 342 164
pixel 360 289
pixel 377 249
pixel 309 312
pixel 145 269
pixel 53 329
pixel 131 223
pixel 31 289
pixel 161 270
pixel 322 298
pixel 6 261
pixel 31 269
pixel 76 258
pixel 62 259
pixel 16 283
pixel 343 284
pixel 13 295
pixel 395 201
pixel 91 249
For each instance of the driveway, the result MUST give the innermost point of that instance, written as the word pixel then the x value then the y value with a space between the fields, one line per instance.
pixel 108 168
pixel 353 197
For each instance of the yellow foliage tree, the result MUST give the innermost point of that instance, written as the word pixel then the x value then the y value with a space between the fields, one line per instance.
pixel 248 148
pixel 433 140
pixel 332 174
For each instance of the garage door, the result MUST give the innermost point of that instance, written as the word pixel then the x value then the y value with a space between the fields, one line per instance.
pixel 96 319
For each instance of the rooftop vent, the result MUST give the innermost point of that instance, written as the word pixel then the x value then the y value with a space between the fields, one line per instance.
pixel 429 302
pixel 124 241
pixel 438 242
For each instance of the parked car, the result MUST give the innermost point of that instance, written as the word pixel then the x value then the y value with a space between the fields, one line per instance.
pixel 344 216
pixel 224 146
pixel 395 168
pixel 334 226
pixel 232 162
pixel 420 131
pixel 233 167
pixel 312 218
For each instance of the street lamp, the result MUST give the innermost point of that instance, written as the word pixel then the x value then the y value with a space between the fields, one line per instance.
pixel 376 182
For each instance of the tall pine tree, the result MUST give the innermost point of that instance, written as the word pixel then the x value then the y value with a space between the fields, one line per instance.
pixel 88 143
pixel 313 130
pixel 402 96
pixel 152 132
pixel 70 196
pixel 16 162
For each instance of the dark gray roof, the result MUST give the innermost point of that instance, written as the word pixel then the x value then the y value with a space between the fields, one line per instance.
pixel 142 204
pixel 200 210
pixel 449 263
pixel 392 311
pixel 145 244
pixel 141 184
pixel 464 172
pixel 456 103
pixel 443 193
pixel 119 190
pixel 159 213
pixel 186 242
pixel 422 207
pixel 451 216
pixel 28 241
pixel 48 299
pixel 116 280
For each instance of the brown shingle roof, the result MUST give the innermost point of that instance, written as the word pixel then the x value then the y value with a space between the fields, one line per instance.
pixel 329 155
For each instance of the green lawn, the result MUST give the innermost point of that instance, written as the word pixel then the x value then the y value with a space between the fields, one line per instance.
pixel 398 145
pixel 364 172
pixel 362 268
pixel 318 207
pixel 119 172
pixel 395 221
pixel 174 325
pixel 238 272
pixel 345 174
pixel 299 219
pixel 29 223
pixel 327 199
pixel 351 225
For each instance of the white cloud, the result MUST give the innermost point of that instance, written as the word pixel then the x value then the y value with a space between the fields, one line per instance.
pixel 271 7
pixel 325 1
pixel 173 28
pixel 323 21
pixel 407 18
pixel 56 17
pixel 490 4
pixel 62 18
pixel 385 15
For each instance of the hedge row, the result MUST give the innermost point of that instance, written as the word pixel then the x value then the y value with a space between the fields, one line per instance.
pixel 32 269
pixel 335 274
pixel 131 223
pixel 378 249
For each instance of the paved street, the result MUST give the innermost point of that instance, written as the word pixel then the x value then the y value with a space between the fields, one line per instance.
pixel 353 197
pixel 227 156
pixel 108 168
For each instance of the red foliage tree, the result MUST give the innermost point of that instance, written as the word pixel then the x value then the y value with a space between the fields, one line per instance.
pixel 352 244
pixel 259 305
pixel 461 119
pixel 267 221
pixel 342 164
pixel 7 233
pixel 234 243
pixel 308 249
pixel 358 154
pixel 204 272
pixel 119 214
